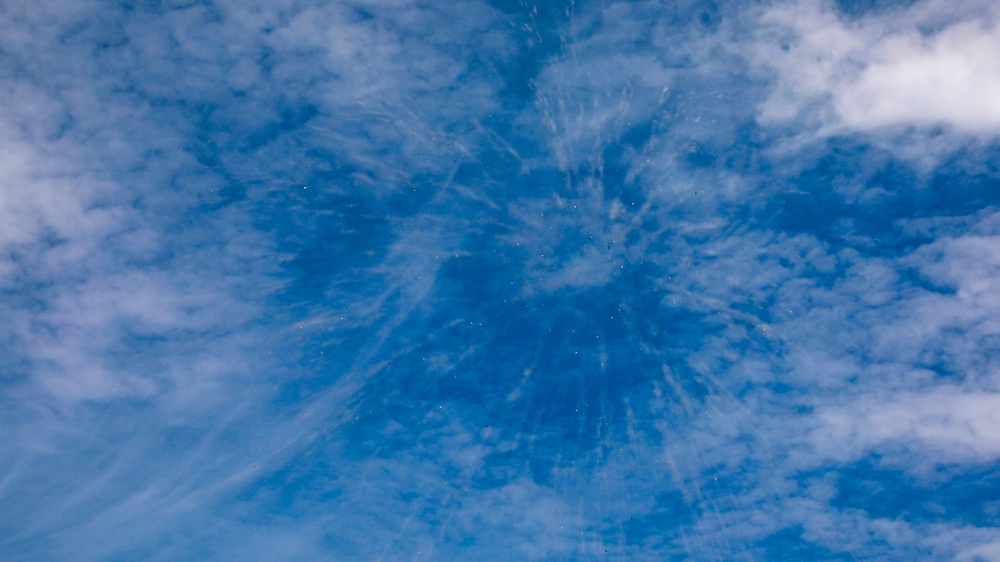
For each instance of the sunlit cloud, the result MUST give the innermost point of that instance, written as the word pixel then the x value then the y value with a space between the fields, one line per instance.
pixel 923 67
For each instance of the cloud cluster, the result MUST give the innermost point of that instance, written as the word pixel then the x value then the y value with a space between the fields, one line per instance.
pixel 924 68
pixel 395 280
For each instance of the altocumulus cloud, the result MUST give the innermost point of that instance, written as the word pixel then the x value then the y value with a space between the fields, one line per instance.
pixel 493 280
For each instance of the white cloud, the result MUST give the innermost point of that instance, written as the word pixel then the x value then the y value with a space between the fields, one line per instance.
pixel 970 264
pixel 942 424
pixel 927 66
pixel 950 79
pixel 988 552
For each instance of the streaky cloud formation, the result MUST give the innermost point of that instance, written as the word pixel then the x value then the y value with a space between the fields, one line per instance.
pixel 499 280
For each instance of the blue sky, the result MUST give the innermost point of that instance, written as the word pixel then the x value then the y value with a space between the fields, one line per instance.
pixel 687 280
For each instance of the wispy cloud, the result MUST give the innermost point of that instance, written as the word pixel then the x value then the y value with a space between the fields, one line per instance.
pixel 491 280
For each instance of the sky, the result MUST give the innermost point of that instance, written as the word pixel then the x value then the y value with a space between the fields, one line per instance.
pixel 499 280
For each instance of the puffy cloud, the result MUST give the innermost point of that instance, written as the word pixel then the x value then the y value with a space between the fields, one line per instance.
pixel 926 66
pixel 943 423
pixel 948 79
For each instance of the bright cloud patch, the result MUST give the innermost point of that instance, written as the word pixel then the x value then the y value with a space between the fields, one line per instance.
pixel 929 66
pixel 950 79
pixel 956 425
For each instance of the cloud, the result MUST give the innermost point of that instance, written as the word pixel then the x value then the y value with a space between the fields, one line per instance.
pixel 953 425
pixel 945 80
pixel 396 280
pixel 923 67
